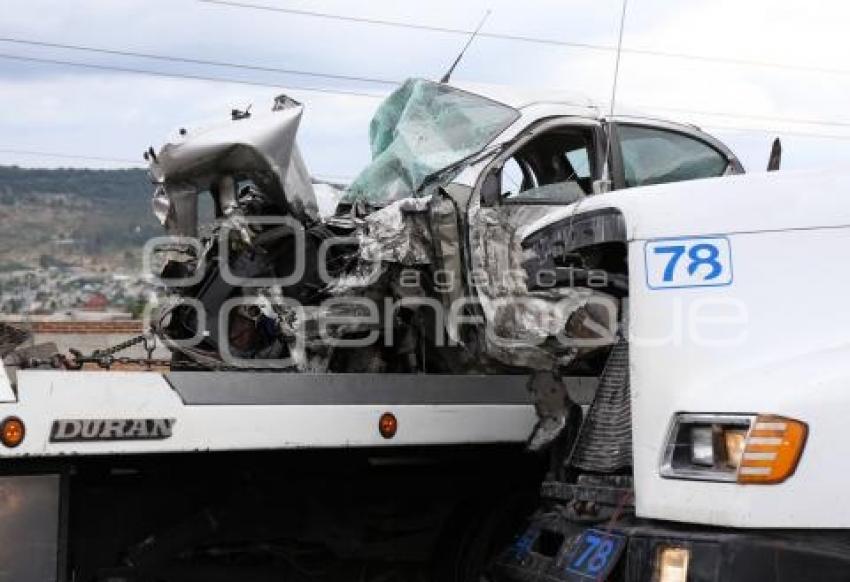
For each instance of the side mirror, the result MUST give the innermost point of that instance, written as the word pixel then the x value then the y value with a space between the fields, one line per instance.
pixel 775 159
pixel 491 189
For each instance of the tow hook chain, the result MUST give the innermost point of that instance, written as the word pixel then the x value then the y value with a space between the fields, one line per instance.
pixel 106 358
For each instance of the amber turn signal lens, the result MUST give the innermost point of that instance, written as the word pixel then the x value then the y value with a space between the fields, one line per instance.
pixel 388 425
pixel 12 431
pixel 773 449
pixel 735 441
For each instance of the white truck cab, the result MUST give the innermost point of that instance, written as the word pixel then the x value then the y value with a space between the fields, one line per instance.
pixel 738 372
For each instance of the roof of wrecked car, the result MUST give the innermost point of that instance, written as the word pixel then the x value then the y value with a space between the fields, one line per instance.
pixel 539 102
pixel 521 97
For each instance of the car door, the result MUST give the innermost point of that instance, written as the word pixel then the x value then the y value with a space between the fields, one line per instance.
pixel 552 165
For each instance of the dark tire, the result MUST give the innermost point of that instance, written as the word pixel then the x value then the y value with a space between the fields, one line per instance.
pixel 477 533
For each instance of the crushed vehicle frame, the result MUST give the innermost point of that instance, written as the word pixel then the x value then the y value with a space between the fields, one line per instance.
pixel 435 201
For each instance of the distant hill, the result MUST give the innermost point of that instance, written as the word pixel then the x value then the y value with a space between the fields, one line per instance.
pixel 76 216
pixel 119 186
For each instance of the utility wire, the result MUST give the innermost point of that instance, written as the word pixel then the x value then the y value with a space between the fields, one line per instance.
pixel 188 76
pixel 68 156
pixel 196 77
pixel 530 39
pixel 345 179
pixel 72 156
pixel 194 61
pixel 800 120
pixel 779 132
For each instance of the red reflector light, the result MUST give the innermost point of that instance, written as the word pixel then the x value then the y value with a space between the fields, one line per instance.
pixel 388 425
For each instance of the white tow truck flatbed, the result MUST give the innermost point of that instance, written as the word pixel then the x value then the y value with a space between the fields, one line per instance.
pixel 124 412
pixel 138 471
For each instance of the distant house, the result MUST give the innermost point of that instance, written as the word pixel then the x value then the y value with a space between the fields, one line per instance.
pixel 96 302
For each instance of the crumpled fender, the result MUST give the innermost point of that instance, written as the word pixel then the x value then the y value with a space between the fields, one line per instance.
pixel 196 159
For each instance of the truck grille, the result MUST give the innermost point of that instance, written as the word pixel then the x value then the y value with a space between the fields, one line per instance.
pixel 605 441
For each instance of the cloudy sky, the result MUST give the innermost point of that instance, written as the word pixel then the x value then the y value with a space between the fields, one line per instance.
pixel 751 70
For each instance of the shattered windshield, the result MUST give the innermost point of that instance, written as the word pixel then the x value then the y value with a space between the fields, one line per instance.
pixel 420 129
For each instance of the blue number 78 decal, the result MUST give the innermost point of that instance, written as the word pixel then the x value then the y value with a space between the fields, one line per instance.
pixel 688 262
pixel 594 555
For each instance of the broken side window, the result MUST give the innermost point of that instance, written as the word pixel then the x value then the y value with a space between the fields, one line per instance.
pixel 421 129
pixel 555 168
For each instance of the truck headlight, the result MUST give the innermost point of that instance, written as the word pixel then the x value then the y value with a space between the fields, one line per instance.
pixel 743 448
pixel 702 445
pixel 672 564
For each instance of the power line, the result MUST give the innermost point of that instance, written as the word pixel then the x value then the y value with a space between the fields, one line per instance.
pixel 800 120
pixel 332 178
pixel 73 156
pixel 195 77
pixel 529 39
pixel 777 132
pixel 68 156
pixel 194 61
pixel 187 76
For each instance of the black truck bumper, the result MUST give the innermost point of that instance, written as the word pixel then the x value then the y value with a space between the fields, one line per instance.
pixel 545 551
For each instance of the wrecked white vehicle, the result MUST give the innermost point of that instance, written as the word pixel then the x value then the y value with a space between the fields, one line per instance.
pixel 425 254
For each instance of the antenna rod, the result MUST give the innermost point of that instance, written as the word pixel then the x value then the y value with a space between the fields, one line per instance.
pixel 617 62
pixel 606 181
pixel 451 70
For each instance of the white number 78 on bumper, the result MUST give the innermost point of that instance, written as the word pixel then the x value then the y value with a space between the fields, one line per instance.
pixel 674 263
